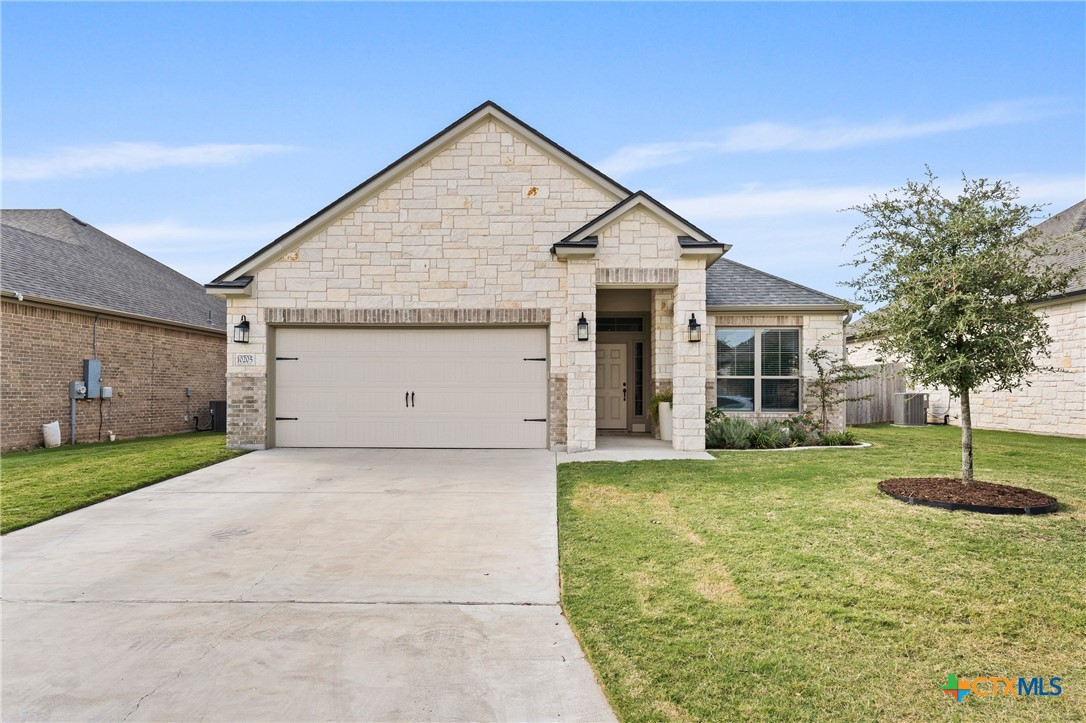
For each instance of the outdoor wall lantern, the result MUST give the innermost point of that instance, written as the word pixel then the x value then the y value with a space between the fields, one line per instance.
pixel 241 332
pixel 582 328
pixel 694 330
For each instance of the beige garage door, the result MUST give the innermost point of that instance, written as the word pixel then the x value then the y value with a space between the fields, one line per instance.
pixel 410 388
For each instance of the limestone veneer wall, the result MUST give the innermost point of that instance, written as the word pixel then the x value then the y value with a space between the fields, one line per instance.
pixel 471 229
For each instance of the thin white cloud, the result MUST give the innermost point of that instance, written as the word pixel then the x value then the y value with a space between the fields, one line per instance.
pixel 824 136
pixel 168 235
pixel 759 202
pixel 121 157
pixel 200 252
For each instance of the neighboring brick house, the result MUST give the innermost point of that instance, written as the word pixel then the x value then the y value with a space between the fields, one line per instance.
pixel 71 292
pixel 1050 402
pixel 490 289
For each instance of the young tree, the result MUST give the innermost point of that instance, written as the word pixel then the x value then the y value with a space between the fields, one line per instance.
pixel 829 385
pixel 956 279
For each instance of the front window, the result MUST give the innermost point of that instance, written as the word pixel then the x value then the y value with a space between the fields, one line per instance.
pixel 757 370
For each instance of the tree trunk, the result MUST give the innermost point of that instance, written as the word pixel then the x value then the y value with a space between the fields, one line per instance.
pixel 967 439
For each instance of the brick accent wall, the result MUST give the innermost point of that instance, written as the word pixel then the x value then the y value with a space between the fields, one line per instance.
pixel 246 412
pixel 42 348
pixel 558 402
pixel 408 317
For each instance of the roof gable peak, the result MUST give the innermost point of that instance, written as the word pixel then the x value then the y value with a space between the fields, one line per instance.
pixel 427 149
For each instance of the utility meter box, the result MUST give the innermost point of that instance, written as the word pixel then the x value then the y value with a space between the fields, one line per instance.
pixel 107 392
pixel 77 390
pixel 92 376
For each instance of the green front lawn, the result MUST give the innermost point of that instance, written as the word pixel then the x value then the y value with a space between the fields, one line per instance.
pixel 44 483
pixel 784 586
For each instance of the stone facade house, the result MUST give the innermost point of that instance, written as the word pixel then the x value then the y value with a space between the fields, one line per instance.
pixel 1050 402
pixel 72 293
pixel 491 289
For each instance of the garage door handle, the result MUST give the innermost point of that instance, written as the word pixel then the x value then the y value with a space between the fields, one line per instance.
pixel 405 396
pixel 286 419
pixel 535 420
pixel 412 399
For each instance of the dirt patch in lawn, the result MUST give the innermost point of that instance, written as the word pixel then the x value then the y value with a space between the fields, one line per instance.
pixel 950 492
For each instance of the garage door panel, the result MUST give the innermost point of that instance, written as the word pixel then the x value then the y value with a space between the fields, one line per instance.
pixel 472 387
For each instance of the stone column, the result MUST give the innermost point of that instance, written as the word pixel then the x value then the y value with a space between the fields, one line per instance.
pixel 246 384
pixel 688 359
pixel 581 356
pixel 662 322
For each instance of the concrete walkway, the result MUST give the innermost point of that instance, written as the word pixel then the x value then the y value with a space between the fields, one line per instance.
pixel 629 448
pixel 301 585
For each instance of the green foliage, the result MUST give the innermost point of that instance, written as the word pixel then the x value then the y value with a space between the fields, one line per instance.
pixel 839 439
pixel 769 434
pixel 802 428
pixel 830 383
pixel 729 433
pixel 714 415
pixel 654 405
pixel 45 483
pixel 955 280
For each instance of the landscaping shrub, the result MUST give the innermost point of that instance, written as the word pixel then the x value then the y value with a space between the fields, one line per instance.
pixel 802 429
pixel 729 433
pixel 769 434
pixel 713 415
pixel 839 439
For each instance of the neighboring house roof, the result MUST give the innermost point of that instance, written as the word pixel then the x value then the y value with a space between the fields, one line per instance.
pixel 1068 229
pixel 486 111
pixel 693 240
pixel 51 255
pixel 729 284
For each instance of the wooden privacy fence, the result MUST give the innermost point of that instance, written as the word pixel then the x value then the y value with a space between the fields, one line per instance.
pixel 885 382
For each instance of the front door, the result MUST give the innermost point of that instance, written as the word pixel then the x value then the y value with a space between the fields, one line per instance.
pixel 611 386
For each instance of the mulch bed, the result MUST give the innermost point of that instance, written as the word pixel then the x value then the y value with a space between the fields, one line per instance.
pixel 951 494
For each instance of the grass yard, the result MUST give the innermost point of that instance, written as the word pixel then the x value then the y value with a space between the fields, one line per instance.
pixel 44 483
pixel 784 586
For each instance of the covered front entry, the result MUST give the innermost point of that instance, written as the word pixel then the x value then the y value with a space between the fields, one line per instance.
pixel 418 387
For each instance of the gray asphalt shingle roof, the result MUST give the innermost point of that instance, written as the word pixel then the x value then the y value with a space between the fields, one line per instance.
pixel 1069 227
pixel 53 255
pixel 729 283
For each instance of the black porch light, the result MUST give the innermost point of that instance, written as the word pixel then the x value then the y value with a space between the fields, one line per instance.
pixel 582 328
pixel 693 330
pixel 241 332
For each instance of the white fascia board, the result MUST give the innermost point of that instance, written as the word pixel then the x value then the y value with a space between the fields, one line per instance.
pixel 573 252
pixel 228 291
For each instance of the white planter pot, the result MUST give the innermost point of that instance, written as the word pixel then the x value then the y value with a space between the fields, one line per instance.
pixel 665 421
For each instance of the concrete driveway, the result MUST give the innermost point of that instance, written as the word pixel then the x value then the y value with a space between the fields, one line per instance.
pixel 302 585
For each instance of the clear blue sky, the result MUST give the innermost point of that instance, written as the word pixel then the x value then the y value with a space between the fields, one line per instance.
pixel 199 132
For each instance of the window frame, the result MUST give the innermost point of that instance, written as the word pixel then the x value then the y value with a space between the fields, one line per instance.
pixel 758 377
